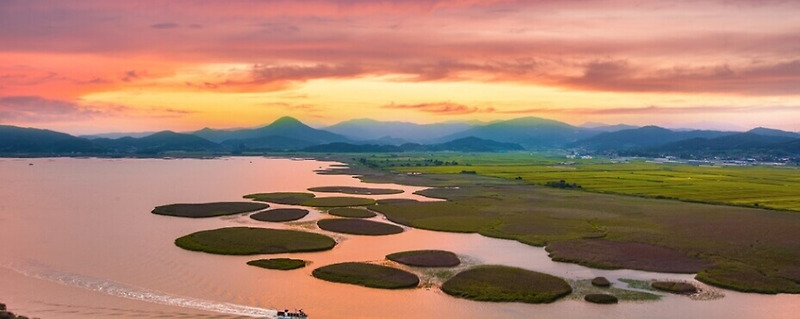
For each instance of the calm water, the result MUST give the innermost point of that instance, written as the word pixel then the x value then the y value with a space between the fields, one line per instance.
pixel 77 240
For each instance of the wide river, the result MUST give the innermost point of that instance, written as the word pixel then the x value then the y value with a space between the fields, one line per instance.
pixel 77 240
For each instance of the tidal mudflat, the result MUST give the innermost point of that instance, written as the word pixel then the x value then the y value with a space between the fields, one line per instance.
pixel 96 262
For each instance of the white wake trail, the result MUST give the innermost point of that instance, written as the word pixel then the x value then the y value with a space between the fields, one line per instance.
pixel 142 294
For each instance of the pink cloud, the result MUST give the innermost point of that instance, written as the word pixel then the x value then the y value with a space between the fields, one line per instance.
pixel 586 45
pixel 36 109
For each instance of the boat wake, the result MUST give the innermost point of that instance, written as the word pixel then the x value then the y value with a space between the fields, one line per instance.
pixel 136 293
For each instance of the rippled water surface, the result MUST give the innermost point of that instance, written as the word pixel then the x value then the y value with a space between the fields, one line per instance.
pixel 77 240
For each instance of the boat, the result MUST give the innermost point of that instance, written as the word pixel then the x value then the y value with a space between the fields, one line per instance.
pixel 297 314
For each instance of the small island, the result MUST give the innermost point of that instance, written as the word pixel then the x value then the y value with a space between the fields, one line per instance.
pixel 356 190
pixel 202 210
pixel 252 241
pixel 601 282
pixel 506 284
pixel 425 258
pixel 352 212
pixel 280 215
pixel 603 299
pixel 675 287
pixel 358 227
pixel 278 263
pixel 367 275
pixel 338 201
pixel 288 198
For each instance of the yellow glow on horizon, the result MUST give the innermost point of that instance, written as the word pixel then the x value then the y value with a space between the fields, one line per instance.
pixel 331 100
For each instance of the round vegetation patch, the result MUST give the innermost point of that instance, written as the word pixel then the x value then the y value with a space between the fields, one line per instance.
pixel 338 202
pixel 351 212
pixel 251 241
pixel 601 299
pixel 674 287
pixel 426 258
pixel 601 282
pixel 397 201
pixel 281 197
pixel 503 283
pixel 368 275
pixel 280 215
pixel 208 209
pixel 278 263
pixel 359 227
pixel 355 190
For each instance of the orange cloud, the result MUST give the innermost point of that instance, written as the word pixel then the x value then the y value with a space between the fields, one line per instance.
pixel 445 108
pixel 583 50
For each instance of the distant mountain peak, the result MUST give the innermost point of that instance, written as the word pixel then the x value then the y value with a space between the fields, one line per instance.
pixel 653 128
pixel 773 132
pixel 593 124
pixel 165 132
pixel 287 120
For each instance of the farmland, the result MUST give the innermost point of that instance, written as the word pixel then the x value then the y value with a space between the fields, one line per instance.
pixel 752 186
pixel 737 247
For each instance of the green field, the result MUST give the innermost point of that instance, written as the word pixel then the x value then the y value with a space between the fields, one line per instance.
pixel 741 248
pixel 754 186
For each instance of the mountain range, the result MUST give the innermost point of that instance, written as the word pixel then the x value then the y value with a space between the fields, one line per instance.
pixel 365 135
pixel 398 132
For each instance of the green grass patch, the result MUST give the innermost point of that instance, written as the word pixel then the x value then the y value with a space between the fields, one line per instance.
pixel 280 215
pixel 278 263
pixel 506 284
pixel 208 209
pixel 358 227
pixel 426 258
pixel 351 212
pixel 338 202
pixel 368 275
pixel 251 241
pixel 355 190
pixel 637 284
pixel 288 198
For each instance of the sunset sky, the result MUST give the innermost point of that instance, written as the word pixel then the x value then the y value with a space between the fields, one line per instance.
pixel 102 66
